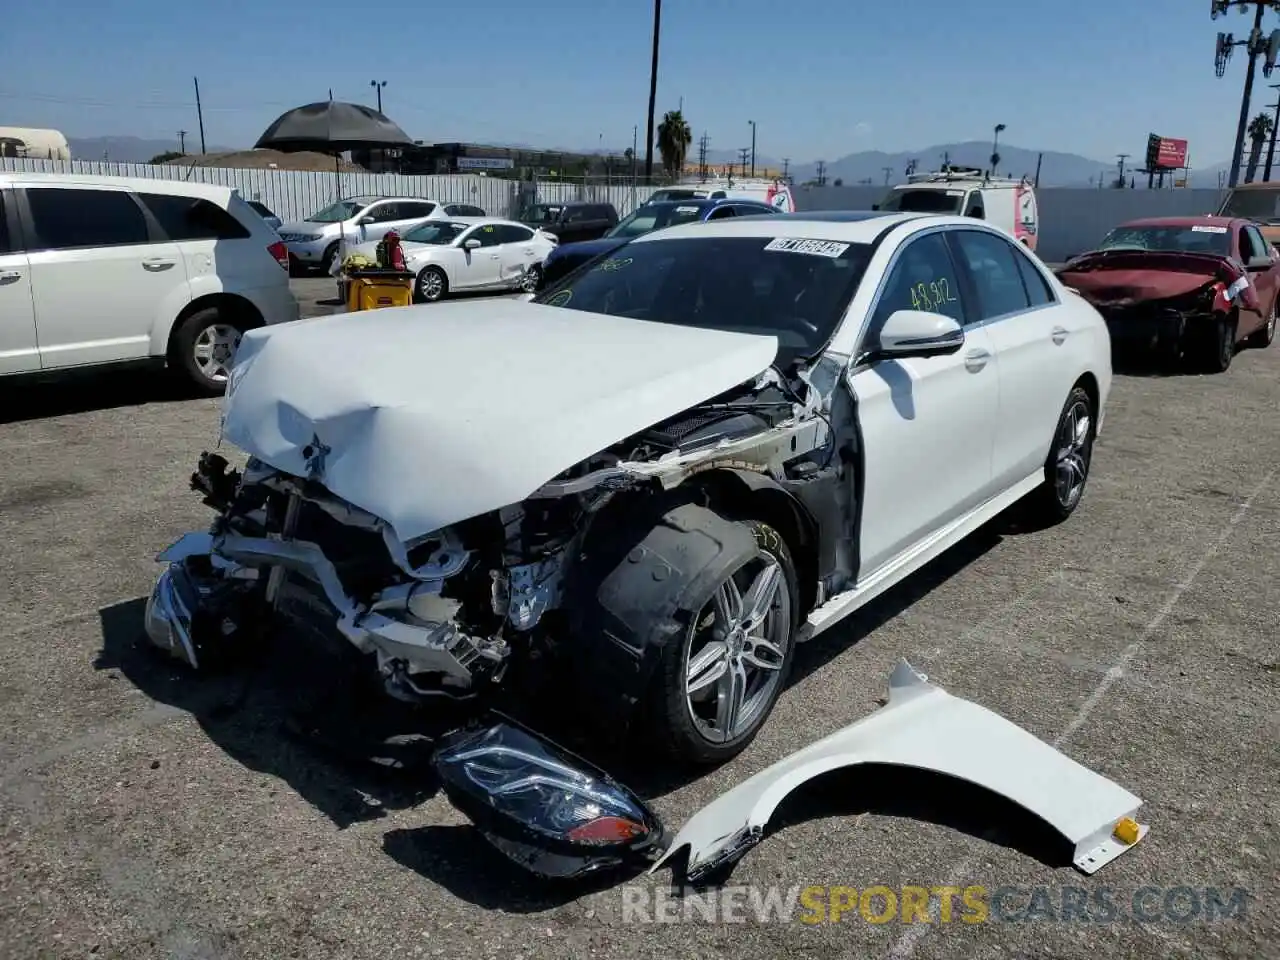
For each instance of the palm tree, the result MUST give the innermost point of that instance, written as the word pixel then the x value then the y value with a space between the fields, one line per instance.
pixel 674 138
pixel 1259 132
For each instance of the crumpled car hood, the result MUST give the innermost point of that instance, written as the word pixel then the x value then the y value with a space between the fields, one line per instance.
pixel 425 416
pixel 926 728
pixel 1138 276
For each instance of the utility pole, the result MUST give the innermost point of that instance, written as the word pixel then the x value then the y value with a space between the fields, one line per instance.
pixel 743 153
pixel 822 173
pixel 1271 148
pixel 1255 44
pixel 1039 160
pixel 635 144
pixel 1121 157
pixel 888 172
pixel 378 85
pixel 199 113
pixel 786 169
pixel 702 155
pixel 182 142
pixel 753 147
pixel 653 89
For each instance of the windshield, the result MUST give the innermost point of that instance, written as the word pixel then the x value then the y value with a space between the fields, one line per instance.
pixel 542 213
pixel 1261 205
pixel 436 232
pixel 1186 238
pixel 342 210
pixel 924 201
pixel 796 290
pixel 654 218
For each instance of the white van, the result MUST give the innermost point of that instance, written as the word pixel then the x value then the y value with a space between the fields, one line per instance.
pixel 1006 203
pixel 776 193
pixel 106 270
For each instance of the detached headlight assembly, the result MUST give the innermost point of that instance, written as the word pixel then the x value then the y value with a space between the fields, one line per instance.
pixel 548 810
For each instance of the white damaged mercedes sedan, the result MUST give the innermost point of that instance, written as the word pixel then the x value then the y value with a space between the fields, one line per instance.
pixel 659 476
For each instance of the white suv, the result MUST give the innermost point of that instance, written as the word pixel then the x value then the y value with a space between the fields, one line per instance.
pixel 313 242
pixel 105 270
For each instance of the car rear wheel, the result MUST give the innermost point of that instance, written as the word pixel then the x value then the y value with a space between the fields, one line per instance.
pixel 1066 470
pixel 531 280
pixel 431 285
pixel 1262 338
pixel 204 347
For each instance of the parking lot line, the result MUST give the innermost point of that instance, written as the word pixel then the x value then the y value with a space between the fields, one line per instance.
pixel 905 946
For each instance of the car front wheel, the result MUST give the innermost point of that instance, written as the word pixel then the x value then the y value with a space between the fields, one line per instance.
pixel 719 679
pixel 432 285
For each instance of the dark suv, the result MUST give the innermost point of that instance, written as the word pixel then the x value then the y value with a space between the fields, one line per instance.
pixel 571 222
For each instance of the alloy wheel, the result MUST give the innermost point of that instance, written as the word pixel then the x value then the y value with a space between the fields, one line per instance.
pixel 529 282
pixel 1073 449
pixel 430 285
pixel 214 350
pixel 739 646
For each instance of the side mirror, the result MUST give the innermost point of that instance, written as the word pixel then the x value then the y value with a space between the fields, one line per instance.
pixel 1259 263
pixel 472 244
pixel 365 221
pixel 916 333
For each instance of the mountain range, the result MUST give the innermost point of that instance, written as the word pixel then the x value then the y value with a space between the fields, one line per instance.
pixel 1057 169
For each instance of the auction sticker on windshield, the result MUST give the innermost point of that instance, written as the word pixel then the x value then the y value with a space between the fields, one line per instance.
pixel 818 248
pixel 1200 228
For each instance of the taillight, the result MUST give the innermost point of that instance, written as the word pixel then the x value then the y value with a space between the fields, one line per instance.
pixel 280 252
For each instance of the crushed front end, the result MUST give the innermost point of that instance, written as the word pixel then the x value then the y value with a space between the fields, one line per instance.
pixel 432 614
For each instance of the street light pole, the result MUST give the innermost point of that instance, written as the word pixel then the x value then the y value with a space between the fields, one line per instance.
pixel 378 85
pixel 995 149
pixel 653 89
pixel 753 147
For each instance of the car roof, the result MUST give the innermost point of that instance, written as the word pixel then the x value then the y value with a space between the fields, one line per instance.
pixel 182 188
pixel 1185 222
pixel 841 225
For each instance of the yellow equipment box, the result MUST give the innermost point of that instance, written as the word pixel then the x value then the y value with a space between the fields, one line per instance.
pixel 374 289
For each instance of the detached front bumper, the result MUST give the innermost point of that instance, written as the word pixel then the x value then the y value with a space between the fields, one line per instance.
pixel 409 627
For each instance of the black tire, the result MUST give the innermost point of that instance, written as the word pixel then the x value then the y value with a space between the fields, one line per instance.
pixel 1262 338
pixel 1220 345
pixel 436 285
pixel 192 332
pixel 531 282
pixel 1069 452
pixel 669 714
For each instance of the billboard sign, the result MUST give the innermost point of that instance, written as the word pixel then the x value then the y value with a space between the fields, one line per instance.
pixel 1165 153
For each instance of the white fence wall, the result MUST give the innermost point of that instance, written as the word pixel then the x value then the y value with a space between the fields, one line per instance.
pixel 293 194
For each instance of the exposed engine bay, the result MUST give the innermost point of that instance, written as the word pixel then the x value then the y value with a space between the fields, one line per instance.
pixel 453 612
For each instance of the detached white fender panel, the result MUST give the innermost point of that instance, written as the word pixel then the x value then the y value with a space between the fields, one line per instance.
pixel 927 728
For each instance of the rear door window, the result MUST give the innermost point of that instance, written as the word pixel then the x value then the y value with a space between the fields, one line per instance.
pixel 411 211
pixel 993 265
pixel 6 245
pixel 722 213
pixel 72 218
pixel 510 233
pixel 192 218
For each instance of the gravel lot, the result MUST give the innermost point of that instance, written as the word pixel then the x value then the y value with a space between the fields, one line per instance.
pixel 147 813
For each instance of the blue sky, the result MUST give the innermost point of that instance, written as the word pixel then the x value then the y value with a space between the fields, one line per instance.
pixel 821 79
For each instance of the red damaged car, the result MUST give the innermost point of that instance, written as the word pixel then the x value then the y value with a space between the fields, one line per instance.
pixel 1191 288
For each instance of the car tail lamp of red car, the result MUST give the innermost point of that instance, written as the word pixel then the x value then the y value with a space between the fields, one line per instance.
pixel 550 811
pixel 280 252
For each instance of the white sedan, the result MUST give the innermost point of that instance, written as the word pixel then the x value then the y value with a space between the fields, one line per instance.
pixel 661 474
pixel 465 254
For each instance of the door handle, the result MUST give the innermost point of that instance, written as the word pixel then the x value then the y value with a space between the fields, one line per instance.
pixel 9 276
pixel 975 360
pixel 157 264
pixel 1059 335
